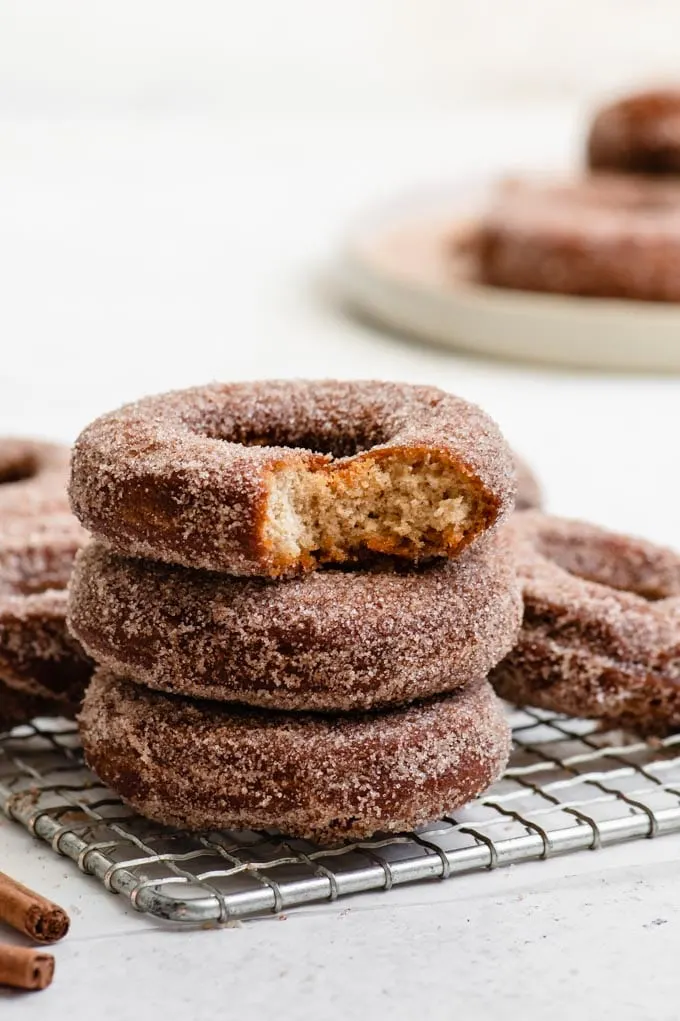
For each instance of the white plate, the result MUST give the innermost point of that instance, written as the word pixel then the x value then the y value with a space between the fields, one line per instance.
pixel 397 268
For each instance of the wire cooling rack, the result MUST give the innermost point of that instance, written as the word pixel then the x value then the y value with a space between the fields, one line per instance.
pixel 568 787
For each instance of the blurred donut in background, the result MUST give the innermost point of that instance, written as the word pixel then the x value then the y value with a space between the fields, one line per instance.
pixel 638 134
pixel 529 492
pixel 43 669
pixel 602 236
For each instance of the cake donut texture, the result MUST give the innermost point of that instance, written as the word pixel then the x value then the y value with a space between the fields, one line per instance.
pixel 333 640
pixel 638 134
pixel 601 630
pixel 202 765
pixel 604 236
pixel 275 478
pixel 39 538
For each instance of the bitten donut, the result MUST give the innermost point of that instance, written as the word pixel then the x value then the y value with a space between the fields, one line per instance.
pixel 529 494
pixel 272 478
pixel 199 765
pixel 638 134
pixel 603 236
pixel 601 631
pixel 334 640
pixel 39 538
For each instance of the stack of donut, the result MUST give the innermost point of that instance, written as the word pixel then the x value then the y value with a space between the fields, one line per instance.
pixel 612 233
pixel 301 597
pixel 43 669
pixel 295 592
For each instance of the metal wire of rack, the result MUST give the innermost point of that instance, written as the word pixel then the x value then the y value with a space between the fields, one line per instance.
pixel 568 787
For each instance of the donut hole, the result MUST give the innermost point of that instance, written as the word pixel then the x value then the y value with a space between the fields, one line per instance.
pixel 616 562
pixel 335 442
pixel 401 504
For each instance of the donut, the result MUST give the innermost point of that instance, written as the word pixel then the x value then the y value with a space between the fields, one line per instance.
pixel 529 494
pixel 603 236
pixel 273 478
pixel 39 538
pixel 337 639
pixel 38 656
pixel 638 134
pixel 601 632
pixel 203 765
pixel 17 707
pixel 33 481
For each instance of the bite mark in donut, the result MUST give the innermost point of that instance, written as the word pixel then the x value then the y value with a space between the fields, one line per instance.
pixel 404 504
pixel 278 477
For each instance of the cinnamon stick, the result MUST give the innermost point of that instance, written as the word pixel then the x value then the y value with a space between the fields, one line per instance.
pixel 30 913
pixel 25 968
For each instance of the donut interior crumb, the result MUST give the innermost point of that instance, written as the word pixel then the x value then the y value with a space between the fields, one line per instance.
pixel 414 506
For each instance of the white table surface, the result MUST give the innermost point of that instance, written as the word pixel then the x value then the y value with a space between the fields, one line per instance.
pixel 140 254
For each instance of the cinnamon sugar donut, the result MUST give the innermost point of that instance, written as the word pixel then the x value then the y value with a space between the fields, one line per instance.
pixel 272 478
pixel 17 707
pixel 603 236
pixel 601 631
pixel 638 134
pixel 334 640
pixel 39 538
pixel 202 765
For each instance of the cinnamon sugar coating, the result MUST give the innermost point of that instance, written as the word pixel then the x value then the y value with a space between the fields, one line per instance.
pixel 202 765
pixel 274 478
pixel 638 134
pixel 39 538
pixel 332 640
pixel 607 236
pixel 601 630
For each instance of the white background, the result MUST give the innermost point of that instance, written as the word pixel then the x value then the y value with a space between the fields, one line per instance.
pixel 173 181
pixel 361 55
